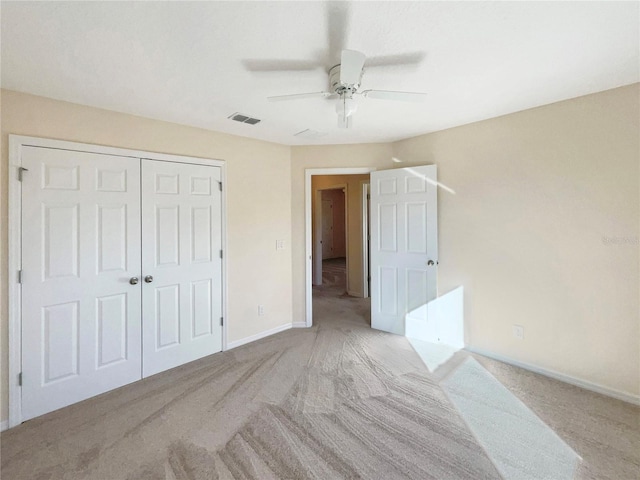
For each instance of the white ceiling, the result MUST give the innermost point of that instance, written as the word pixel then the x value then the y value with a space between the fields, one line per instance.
pixel 188 62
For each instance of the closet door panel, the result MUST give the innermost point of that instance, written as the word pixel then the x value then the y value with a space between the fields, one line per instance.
pixel 182 268
pixel 81 326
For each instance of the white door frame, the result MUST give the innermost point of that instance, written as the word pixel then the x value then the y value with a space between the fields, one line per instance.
pixel 365 238
pixel 16 142
pixel 308 193
pixel 318 230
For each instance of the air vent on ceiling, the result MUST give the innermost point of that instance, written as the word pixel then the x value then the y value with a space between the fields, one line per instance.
pixel 238 117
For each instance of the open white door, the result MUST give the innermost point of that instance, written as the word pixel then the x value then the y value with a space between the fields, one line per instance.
pixel 404 245
pixel 181 263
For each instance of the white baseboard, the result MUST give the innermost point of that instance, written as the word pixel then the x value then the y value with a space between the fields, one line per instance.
pixel 594 387
pixel 4 424
pixel 299 324
pixel 258 336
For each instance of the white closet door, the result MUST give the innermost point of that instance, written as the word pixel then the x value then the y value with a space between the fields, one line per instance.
pixel 81 332
pixel 182 268
pixel 404 245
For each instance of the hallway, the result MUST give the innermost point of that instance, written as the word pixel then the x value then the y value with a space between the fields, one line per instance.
pixel 330 300
pixel 334 272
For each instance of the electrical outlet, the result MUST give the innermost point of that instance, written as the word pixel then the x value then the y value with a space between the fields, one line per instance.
pixel 260 310
pixel 279 244
pixel 518 332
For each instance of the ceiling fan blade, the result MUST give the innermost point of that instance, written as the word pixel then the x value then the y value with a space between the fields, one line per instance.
pixel 413 58
pixel 391 95
pixel 298 96
pixel 276 65
pixel 337 22
pixel 351 66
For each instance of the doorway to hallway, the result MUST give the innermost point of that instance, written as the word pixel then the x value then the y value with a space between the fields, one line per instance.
pixel 338 251
pixel 399 251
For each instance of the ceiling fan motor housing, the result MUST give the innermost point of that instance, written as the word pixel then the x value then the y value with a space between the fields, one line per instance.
pixel 336 86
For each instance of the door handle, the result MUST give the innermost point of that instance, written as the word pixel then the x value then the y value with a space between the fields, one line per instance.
pixel 430 263
pixel 148 279
pixel 134 280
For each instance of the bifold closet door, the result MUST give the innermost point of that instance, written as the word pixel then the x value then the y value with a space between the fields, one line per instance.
pixel 81 331
pixel 181 263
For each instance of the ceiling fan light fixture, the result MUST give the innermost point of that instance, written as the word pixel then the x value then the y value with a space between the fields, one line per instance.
pixel 346 106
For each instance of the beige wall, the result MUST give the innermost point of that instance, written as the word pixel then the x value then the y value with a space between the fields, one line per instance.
pixel 542 230
pixel 538 194
pixel 258 200
pixel 354 223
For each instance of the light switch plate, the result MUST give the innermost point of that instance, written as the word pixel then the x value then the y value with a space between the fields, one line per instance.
pixel 518 332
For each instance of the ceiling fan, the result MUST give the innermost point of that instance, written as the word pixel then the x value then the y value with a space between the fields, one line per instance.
pixel 344 84
pixel 344 78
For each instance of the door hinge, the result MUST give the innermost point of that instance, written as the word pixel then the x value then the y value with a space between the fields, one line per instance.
pixel 21 171
pixel 19 276
pixel 221 321
pixel 220 185
pixel 20 379
pixel 220 253
pixel 368 197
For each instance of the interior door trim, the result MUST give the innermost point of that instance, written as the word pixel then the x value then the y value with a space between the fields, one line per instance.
pixel 14 264
pixel 308 255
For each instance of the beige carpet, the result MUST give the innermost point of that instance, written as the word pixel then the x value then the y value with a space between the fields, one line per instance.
pixel 338 400
pixel 520 445
pixel 334 273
